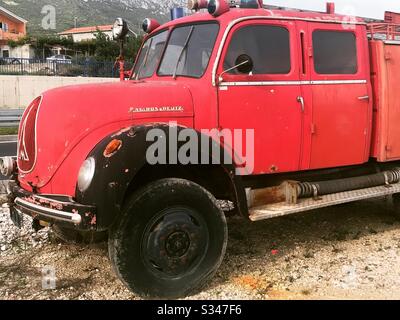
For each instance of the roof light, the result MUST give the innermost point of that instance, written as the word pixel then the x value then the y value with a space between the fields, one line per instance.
pixel 197 4
pixel 217 7
pixel 330 7
pixel 250 4
pixel 149 25
pixel 177 13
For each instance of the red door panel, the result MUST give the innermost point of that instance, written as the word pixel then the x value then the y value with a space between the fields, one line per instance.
pixel 340 125
pixel 341 102
pixel 267 103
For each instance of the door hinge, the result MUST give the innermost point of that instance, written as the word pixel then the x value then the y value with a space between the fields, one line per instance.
pixel 313 128
pixel 388 148
pixel 388 56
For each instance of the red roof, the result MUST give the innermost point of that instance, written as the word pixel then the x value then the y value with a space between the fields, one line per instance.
pixel 87 29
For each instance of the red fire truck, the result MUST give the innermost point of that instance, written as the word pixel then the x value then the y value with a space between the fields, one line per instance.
pixel 317 89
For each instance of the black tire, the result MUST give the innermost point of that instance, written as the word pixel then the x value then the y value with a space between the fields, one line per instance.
pixel 393 204
pixel 79 237
pixel 170 239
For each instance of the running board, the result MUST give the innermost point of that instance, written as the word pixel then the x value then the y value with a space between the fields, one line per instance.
pixel 283 209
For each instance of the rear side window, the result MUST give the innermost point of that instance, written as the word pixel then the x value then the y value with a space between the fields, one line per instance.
pixel 268 47
pixel 335 52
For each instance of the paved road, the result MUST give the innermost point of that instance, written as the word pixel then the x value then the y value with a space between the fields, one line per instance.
pixel 8 148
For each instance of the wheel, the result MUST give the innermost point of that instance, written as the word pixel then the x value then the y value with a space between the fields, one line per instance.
pixel 170 240
pixel 79 237
pixel 393 203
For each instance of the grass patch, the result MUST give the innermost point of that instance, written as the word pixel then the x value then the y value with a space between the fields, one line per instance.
pixel 8 131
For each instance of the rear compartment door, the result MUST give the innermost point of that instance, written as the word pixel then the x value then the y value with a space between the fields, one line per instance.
pixel 341 95
pixel 392 58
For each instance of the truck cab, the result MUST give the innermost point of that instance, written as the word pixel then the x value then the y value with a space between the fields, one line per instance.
pixel 274 112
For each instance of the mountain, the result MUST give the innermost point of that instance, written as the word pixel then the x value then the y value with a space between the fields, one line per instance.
pixel 90 12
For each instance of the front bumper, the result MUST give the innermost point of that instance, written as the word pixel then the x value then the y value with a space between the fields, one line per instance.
pixel 50 208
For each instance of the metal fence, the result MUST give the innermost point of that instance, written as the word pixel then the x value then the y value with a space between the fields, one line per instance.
pixel 64 68
pixel 10 118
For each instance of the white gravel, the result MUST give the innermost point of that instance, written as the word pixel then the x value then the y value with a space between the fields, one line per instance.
pixel 346 252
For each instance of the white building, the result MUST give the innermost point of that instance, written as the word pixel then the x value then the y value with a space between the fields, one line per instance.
pixel 86 33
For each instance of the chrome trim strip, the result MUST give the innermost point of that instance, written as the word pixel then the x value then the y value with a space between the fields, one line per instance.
pixel 51 213
pixel 290 83
pixel 234 22
pixel 392 42
pixel 36 146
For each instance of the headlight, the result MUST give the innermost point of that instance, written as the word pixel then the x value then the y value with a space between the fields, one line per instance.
pixel 86 174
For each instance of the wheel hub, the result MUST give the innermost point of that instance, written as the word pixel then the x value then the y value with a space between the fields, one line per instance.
pixel 177 244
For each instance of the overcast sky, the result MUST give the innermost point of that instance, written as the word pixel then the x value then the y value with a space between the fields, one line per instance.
pixel 364 8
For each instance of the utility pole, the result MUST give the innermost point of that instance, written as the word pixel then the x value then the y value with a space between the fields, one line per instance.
pixel 76 22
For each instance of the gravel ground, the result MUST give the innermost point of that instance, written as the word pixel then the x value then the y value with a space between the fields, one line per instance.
pixel 346 252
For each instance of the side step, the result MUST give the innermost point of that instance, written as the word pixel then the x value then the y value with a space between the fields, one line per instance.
pixel 282 208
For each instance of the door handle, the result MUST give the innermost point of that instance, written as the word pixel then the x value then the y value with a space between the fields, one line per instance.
pixel 301 101
pixel 363 98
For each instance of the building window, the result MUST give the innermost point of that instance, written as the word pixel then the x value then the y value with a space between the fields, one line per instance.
pixel 6 54
pixel 4 26
pixel 335 52
pixel 268 46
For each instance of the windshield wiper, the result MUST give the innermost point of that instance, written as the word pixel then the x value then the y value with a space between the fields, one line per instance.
pixel 185 46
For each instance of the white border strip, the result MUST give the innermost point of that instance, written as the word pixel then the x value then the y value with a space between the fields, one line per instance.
pixel 290 83
pixel 19 138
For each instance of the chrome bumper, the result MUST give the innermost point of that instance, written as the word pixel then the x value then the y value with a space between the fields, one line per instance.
pixel 50 208
pixel 48 212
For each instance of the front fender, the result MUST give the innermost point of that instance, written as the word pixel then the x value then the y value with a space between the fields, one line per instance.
pixel 114 173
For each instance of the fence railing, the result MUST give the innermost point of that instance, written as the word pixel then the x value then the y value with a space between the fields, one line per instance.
pixel 10 118
pixel 65 68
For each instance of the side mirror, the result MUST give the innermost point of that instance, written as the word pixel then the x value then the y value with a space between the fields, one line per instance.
pixel 120 29
pixel 244 63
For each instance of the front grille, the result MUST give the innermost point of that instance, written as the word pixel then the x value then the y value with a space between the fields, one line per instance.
pixel 27 151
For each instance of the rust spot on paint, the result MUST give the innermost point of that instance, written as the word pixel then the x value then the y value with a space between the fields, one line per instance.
pixel 112 148
pixel 132 133
pixel 268 196
pixel 274 168
pixel 121 132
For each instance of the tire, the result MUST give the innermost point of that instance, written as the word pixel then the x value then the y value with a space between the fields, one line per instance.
pixel 170 240
pixel 79 237
pixel 393 205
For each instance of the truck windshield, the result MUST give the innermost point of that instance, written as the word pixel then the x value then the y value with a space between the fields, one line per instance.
pixel 150 56
pixel 189 50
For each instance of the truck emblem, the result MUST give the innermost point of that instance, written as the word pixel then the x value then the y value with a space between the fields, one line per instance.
pixel 157 109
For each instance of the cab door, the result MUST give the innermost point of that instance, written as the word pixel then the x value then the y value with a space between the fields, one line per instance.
pixel 341 95
pixel 266 99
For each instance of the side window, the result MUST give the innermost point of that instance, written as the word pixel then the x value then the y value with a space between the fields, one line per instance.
pixel 268 47
pixel 335 52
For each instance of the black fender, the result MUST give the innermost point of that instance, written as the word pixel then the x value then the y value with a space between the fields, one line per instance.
pixel 115 172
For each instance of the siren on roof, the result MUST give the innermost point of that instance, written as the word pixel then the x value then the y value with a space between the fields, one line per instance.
pixel 149 25
pixel 217 7
pixel 197 4
pixel 222 6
